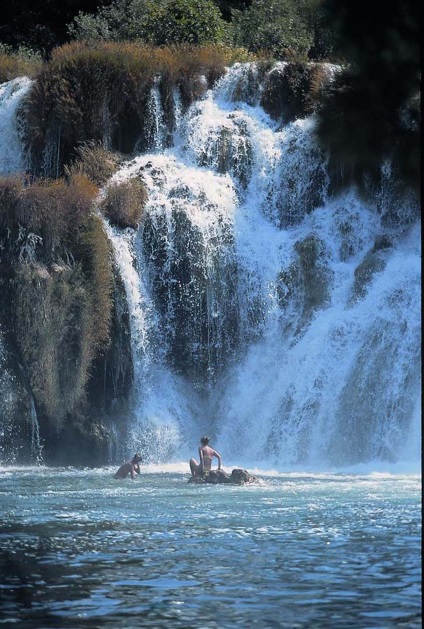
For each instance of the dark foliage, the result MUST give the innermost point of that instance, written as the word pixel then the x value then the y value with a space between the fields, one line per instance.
pixel 371 112
pixel 39 24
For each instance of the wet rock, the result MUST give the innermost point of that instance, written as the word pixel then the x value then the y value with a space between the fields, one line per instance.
pixel 374 262
pixel 305 284
pixel 189 280
pixel 18 436
pixel 293 90
pixel 230 151
pixel 218 477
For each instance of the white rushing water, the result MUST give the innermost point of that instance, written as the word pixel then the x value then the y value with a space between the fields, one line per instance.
pixel 278 318
pixel 11 150
pixel 311 328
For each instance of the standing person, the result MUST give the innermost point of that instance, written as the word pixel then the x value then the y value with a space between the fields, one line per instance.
pixel 129 467
pixel 206 454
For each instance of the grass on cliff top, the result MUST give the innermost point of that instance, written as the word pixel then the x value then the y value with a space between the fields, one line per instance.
pixel 141 58
pixel 100 93
pixel 15 64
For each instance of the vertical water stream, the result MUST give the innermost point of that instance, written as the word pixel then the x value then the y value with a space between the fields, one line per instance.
pixel 290 318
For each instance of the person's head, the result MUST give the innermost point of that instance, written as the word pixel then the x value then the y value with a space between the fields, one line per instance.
pixel 137 458
pixel 204 441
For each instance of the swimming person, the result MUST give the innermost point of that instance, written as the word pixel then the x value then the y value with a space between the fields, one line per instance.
pixel 206 454
pixel 129 467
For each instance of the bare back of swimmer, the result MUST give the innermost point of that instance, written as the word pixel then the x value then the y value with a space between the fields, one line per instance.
pixel 129 467
pixel 206 454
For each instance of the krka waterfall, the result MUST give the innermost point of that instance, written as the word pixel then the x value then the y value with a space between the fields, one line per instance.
pixel 261 306
pixel 282 319
pixel 267 310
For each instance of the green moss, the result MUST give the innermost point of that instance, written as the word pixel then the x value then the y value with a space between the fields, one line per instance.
pixel 49 308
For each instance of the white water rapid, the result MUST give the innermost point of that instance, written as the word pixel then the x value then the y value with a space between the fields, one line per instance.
pixel 11 151
pixel 280 319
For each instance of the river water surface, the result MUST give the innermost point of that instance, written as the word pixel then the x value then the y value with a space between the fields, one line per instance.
pixel 79 549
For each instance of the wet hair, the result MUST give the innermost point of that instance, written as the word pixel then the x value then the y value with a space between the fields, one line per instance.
pixel 204 441
pixel 137 455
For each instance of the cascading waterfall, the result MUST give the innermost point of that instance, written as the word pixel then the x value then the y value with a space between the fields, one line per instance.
pixel 11 153
pixel 19 429
pixel 290 318
pixel 280 319
pixel 173 307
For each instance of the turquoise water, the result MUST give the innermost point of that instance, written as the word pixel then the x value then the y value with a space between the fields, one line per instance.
pixel 79 549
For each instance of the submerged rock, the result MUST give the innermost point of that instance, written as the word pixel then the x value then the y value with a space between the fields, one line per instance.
pixel 216 477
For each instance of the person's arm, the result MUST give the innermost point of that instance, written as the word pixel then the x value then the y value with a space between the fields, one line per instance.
pixel 201 458
pixel 218 456
pixel 137 468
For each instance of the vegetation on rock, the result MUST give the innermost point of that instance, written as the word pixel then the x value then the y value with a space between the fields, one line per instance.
pixel 57 281
pixel 99 93
pixel 22 62
pixel 124 202
pixel 95 162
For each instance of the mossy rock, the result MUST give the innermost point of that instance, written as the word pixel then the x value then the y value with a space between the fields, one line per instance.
pixel 316 274
pixel 293 90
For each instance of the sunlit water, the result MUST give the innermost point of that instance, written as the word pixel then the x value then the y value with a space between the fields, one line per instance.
pixel 79 549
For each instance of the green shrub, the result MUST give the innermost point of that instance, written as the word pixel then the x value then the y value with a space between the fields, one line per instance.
pixel 124 202
pixel 92 28
pixel 180 21
pixel 154 22
pixel 285 28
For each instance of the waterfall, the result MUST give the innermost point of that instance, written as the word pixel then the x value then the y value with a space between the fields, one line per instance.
pixel 19 428
pixel 288 317
pixel 265 311
pixel 11 153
